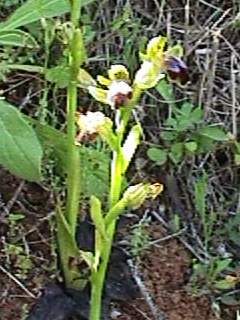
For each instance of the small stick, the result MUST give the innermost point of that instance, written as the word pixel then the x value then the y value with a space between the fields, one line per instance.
pixel 12 277
pixel 234 100
pixel 170 236
pixel 206 32
pixel 158 315
pixel 187 245
pixel 212 73
pixel 11 202
pixel 186 25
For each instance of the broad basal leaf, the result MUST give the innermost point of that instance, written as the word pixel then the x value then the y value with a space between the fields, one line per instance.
pixel 17 38
pixel 33 10
pixel 20 150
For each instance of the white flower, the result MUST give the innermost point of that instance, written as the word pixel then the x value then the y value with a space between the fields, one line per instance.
pixel 90 122
pixel 119 92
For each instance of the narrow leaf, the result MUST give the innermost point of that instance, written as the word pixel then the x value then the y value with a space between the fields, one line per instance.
pixel 200 192
pixel 96 215
pixel 20 150
pixel 69 252
pixel 4 67
pixel 17 38
pixel 34 10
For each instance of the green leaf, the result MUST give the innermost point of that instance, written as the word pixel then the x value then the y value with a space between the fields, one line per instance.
pixel 157 155
pixel 100 229
pixel 130 145
pixel 191 146
pixel 20 150
pixel 237 159
pixel 166 91
pixel 214 133
pixel 59 75
pixel 17 38
pixel 176 152
pixel 96 215
pixel 95 176
pixel 205 144
pixel 196 115
pixel 224 284
pixel 85 79
pixel 185 109
pixel 171 122
pixel 13 217
pixel 54 139
pixel 69 252
pixel 168 135
pixel 200 192
pixel 6 67
pixel 221 265
pixel 183 123
pixel 34 10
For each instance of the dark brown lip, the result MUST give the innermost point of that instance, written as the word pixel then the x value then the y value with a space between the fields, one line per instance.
pixel 177 69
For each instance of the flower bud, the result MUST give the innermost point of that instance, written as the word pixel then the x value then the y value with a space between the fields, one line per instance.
pixel 136 195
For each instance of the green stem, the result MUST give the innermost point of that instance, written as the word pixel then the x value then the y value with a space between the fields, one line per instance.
pixel 98 277
pixel 76 47
pixel 73 170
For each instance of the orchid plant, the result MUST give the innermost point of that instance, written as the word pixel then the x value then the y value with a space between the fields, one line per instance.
pixel 121 93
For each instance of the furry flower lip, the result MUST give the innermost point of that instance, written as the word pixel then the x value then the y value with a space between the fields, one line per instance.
pixel 118 90
pixel 90 124
pixel 176 69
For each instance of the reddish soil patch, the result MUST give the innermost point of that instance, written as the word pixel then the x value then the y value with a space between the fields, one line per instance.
pixel 165 273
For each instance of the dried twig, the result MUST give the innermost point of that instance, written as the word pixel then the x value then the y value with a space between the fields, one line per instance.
pixel 12 201
pixel 19 283
pixel 234 99
pixel 211 75
pixel 157 314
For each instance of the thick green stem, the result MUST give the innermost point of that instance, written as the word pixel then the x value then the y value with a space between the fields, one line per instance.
pixel 98 277
pixel 76 48
pixel 73 171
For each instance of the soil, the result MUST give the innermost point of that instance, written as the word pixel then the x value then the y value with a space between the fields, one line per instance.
pixel 164 270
